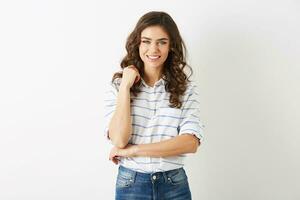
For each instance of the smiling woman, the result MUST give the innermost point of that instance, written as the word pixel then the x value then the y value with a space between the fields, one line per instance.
pixel 154 47
pixel 152 113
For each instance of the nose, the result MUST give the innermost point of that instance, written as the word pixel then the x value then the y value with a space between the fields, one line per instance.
pixel 154 47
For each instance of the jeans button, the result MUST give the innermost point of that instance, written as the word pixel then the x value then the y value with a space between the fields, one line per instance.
pixel 154 177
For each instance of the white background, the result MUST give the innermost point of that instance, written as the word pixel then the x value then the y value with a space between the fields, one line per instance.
pixel 56 58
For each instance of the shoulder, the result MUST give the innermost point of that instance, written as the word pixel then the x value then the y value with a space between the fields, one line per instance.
pixel 191 88
pixel 112 87
pixel 116 83
pixel 191 91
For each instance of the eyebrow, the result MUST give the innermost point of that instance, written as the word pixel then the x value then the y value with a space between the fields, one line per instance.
pixel 156 40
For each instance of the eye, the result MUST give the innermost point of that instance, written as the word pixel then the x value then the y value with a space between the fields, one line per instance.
pixel 145 41
pixel 162 42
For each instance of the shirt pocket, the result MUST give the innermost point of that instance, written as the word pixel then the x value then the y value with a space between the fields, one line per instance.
pixel 165 109
pixel 169 116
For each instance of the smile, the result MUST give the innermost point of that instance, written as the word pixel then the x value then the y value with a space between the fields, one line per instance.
pixel 153 58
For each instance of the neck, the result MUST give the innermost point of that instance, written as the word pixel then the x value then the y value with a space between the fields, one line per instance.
pixel 151 77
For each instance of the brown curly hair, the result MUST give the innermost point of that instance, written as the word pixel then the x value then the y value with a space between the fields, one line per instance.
pixel 173 69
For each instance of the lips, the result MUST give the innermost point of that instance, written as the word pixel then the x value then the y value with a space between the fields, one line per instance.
pixel 153 57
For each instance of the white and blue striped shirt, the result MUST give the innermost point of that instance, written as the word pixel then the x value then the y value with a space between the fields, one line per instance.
pixel 154 121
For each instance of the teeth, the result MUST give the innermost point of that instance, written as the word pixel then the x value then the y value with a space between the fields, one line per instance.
pixel 153 57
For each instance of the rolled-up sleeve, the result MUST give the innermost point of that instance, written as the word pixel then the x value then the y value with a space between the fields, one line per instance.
pixel 190 122
pixel 110 101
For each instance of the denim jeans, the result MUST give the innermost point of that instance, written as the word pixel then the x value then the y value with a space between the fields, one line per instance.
pixel 132 185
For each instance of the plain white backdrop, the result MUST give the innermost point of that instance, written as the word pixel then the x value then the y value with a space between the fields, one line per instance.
pixel 56 58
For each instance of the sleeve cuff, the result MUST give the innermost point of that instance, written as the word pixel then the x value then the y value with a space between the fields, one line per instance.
pixel 198 134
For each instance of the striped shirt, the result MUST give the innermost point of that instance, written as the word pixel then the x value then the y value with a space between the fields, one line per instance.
pixel 154 121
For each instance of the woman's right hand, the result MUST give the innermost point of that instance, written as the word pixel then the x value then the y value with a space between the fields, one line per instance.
pixel 130 76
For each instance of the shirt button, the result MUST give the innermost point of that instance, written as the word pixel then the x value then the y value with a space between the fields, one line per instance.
pixel 154 177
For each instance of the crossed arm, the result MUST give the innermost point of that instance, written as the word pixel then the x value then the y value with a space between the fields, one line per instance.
pixel 120 129
pixel 181 144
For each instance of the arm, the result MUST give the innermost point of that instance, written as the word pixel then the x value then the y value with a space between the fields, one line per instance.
pixel 181 144
pixel 178 145
pixel 120 125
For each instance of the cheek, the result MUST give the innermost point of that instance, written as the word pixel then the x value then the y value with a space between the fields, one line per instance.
pixel 165 52
pixel 141 50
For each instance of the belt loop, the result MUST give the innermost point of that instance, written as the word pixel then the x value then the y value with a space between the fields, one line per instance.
pixel 133 175
pixel 165 176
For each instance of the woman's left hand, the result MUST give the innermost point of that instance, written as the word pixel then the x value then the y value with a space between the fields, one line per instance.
pixel 116 153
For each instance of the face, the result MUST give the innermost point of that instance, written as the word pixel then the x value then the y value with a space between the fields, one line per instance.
pixel 154 47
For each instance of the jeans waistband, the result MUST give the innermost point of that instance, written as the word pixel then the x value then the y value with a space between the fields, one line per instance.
pixel 149 176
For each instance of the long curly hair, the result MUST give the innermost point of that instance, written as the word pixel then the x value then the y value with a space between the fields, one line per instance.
pixel 173 70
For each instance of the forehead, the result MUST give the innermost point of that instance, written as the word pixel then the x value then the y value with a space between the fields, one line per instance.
pixel 154 32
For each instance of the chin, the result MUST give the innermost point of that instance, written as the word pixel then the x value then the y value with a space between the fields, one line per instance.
pixel 154 65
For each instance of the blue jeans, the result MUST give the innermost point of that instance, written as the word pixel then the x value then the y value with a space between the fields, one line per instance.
pixel 132 185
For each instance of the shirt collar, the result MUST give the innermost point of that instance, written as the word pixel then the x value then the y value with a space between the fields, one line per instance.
pixel 161 81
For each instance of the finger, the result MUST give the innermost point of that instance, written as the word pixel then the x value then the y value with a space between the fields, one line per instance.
pixel 111 157
pixel 137 79
pixel 131 66
pixel 134 68
pixel 115 160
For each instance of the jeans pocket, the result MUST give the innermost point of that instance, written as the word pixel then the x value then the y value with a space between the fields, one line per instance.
pixel 124 180
pixel 177 177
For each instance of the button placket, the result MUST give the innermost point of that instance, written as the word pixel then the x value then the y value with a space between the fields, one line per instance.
pixel 155 100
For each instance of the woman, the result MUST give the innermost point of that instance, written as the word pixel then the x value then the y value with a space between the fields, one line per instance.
pixel 152 113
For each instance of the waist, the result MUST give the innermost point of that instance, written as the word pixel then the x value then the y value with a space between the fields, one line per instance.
pixel 150 165
pixel 165 175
